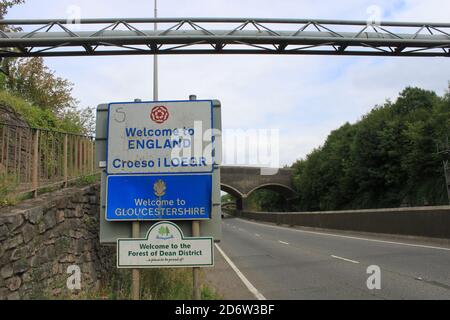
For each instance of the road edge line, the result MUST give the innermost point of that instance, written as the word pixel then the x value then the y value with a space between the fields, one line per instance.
pixel 258 295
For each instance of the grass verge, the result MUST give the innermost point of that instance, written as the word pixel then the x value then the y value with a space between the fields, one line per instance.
pixel 156 284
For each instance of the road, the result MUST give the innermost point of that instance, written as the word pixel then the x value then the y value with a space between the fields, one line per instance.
pixel 288 263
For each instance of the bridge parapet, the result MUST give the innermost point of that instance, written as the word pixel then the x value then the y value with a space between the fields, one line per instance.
pixel 432 222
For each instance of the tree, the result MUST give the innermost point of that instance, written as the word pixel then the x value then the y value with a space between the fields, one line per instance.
pixel 387 159
pixel 227 198
pixel 268 200
pixel 33 80
pixel 81 120
pixel 5 5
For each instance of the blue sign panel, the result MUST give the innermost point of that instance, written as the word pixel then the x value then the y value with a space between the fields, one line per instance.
pixel 164 197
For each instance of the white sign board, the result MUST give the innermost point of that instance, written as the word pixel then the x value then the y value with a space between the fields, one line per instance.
pixel 160 137
pixel 165 246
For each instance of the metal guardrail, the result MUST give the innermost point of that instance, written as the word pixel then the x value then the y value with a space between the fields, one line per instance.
pixel 124 36
pixel 32 159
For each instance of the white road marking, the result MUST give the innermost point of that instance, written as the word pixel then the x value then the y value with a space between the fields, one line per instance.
pixel 283 242
pixel 247 283
pixel 349 237
pixel 345 259
pixel 257 235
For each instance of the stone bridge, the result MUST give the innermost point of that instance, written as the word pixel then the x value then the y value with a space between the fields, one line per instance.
pixel 240 182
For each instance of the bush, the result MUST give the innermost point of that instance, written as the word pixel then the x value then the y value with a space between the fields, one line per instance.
pixel 37 117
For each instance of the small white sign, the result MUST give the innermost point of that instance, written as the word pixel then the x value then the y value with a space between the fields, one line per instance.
pixel 160 137
pixel 165 246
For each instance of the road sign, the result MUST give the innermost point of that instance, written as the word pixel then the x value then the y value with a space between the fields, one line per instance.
pixel 165 246
pixel 110 231
pixel 166 197
pixel 171 137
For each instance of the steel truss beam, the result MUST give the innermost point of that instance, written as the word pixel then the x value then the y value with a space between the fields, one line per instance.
pixel 48 38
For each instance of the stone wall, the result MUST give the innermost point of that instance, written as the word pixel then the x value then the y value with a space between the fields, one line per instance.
pixel 40 238
pixel 9 116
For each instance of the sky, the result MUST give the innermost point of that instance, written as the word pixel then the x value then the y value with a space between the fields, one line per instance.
pixel 304 97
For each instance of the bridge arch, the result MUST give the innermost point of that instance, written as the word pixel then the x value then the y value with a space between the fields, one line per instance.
pixel 241 182
pixel 284 190
pixel 231 190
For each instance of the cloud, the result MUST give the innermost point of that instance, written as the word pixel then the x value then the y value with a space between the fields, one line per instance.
pixel 305 97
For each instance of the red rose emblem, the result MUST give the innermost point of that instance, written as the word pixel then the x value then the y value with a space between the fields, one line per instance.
pixel 159 114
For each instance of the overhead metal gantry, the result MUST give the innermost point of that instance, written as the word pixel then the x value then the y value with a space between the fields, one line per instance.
pixel 97 37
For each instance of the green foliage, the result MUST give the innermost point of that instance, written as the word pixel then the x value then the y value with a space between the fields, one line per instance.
pixel 5 5
pixel 157 284
pixel 42 98
pixel 261 200
pixel 87 180
pixel 387 159
pixel 267 200
pixel 37 117
pixel 31 79
pixel 227 198
pixel 7 185
pixel 207 293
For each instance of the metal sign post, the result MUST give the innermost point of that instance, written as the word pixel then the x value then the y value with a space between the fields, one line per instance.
pixel 136 226
pixel 155 60
pixel 195 270
pixel 135 273
pixel 195 233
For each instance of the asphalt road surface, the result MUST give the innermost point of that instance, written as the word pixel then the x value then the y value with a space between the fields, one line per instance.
pixel 287 263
